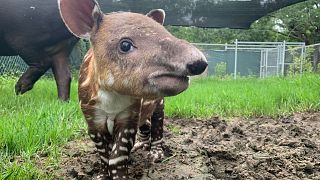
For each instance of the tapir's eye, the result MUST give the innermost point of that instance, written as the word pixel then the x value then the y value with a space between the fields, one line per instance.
pixel 126 45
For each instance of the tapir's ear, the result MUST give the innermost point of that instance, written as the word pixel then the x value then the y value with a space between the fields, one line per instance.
pixel 80 16
pixel 158 15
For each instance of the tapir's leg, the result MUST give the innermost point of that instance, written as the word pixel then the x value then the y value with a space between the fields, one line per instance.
pixel 38 65
pixel 60 66
pixel 144 137
pixel 156 152
pixel 62 75
pixel 123 140
pixel 99 135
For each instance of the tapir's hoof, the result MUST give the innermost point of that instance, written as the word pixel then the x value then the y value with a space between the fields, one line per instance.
pixel 22 88
pixel 141 145
pixel 156 154
pixel 101 177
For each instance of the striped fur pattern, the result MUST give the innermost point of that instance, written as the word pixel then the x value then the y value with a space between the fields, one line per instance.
pixel 134 62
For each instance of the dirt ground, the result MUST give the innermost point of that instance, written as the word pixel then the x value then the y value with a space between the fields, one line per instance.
pixel 261 148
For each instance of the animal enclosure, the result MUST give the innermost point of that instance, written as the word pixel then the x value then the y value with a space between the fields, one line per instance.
pixel 258 59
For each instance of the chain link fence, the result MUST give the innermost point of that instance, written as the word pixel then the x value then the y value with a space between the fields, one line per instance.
pixel 257 59
pixel 15 66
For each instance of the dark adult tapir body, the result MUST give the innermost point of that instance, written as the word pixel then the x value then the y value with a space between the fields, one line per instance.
pixel 34 30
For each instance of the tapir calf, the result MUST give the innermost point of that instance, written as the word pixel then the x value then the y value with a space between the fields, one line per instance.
pixel 133 64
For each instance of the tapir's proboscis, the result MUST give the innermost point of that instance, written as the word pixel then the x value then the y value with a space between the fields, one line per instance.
pixel 133 64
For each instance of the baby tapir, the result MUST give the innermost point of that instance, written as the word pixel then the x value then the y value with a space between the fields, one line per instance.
pixel 134 62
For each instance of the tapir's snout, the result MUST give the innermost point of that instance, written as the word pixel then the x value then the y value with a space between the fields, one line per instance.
pixel 197 67
pixel 195 61
pixel 183 58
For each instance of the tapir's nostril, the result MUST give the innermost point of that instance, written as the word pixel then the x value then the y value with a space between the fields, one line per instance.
pixel 197 67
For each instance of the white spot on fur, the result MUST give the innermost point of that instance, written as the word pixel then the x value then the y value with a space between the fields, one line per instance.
pixel 124 140
pixel 117 160
pixel 92 136
pixel 132 131
pixel 161 102
pixel 156 142
pixel 114 147
pixel 98 144
pixel 122 148
pixel 104 159
pixel 114 171
pixel 126 131
pixel 101 150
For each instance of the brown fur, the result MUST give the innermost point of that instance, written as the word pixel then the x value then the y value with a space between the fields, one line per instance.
pixel 122 91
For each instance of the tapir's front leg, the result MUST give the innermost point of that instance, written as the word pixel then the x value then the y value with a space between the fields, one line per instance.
pixel 123 140
pixel 96 120
pixel 156 152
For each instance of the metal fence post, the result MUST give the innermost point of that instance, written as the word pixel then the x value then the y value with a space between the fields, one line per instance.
pixel 278 59
pixel 261 63
pixel 267 58
pixel 283 57
pixel 235 59
pixel 302 58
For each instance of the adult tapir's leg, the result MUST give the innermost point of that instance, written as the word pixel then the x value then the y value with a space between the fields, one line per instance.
pixel 61 67
pixel 62 75
pixel 39 62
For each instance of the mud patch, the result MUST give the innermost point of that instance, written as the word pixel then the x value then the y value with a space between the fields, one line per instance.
pixel 259 148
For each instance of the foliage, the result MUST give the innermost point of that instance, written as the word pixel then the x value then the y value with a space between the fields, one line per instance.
pixel 300 64
pixel 299 22
pixel 220 70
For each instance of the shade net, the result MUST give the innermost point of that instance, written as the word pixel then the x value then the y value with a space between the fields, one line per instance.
pixel 202 13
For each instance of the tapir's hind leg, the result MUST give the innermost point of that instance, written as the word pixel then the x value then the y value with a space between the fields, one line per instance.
pixel 62 75
pixel 61 67
pixel 151 134
pixel 156 152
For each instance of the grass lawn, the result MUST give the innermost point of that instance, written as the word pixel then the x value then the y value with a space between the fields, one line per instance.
pixel 246 97
pixel 36 124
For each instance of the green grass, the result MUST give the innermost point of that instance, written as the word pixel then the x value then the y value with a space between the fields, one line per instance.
pixel 36 124
pixel 246 97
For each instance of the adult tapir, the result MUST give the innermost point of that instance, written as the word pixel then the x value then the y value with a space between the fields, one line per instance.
pixel 34 30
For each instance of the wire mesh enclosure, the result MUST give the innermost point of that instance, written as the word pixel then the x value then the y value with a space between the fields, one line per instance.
pixel 259 59
pixel 14 65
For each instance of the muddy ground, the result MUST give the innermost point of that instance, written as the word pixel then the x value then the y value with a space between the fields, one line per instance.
pixel 261 148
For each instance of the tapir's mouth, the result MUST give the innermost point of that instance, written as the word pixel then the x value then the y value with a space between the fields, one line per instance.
pixel 169 84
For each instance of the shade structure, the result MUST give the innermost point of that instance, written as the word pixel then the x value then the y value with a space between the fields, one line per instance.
pixel 202 13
